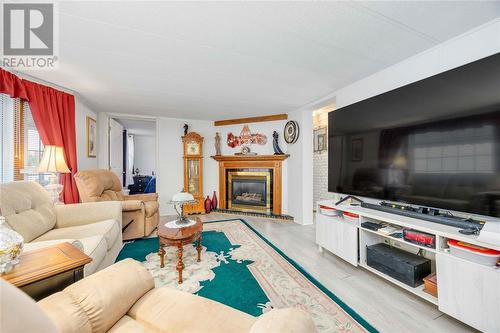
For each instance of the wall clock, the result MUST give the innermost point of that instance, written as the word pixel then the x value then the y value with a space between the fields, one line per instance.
pixel 291 132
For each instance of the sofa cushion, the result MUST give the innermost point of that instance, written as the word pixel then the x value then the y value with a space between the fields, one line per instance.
pixel 106 296
pixel 204 315
pixel 131 205
pixel 95 247
pixel 27 208
pixel 40 245
pixel 129 325
pixel 19 313
pixel 109 229
pixel 151 208
pixel 66 314
pixel 290 320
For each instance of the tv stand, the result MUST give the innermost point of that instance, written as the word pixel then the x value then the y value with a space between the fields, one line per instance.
pixel 467 291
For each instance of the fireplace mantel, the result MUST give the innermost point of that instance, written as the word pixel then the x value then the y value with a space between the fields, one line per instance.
pixel 273 162
pixel 220 158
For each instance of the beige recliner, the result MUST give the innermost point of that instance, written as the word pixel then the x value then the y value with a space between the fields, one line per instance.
pixel 140 214
pixel 132 304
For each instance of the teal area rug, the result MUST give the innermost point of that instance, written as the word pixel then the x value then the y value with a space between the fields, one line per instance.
pixel 242 269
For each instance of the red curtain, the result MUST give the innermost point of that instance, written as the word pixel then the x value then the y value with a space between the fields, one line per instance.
pixel 54 114
pixel 12 85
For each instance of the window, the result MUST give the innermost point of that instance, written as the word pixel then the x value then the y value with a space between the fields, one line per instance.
pixel 21 149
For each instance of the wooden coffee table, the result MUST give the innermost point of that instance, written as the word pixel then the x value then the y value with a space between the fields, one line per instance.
pixel 179 237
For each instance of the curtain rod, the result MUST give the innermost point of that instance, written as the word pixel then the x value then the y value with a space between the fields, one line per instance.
pixel 41 81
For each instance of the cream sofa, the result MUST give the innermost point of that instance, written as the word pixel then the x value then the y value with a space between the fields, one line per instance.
pixel 132 304
pixel 140 214
pixel 93 227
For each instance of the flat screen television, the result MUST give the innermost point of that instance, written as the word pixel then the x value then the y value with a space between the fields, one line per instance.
pixel 434 143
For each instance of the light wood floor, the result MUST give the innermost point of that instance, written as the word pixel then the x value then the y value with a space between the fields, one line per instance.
pixel 385 306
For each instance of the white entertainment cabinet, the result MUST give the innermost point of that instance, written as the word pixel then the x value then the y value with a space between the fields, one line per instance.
pixel 467 291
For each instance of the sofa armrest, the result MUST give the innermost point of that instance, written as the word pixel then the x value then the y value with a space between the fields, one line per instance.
pixel 131 205
pixel 94 304
pixel 289 320
pixel 143 197
pixel 86 213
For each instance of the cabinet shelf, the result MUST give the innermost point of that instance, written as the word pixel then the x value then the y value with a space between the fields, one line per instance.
pixel 419 291
pixel 401 240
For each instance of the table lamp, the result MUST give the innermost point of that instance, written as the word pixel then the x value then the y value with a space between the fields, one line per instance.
pixel 179 200
pixel 53 162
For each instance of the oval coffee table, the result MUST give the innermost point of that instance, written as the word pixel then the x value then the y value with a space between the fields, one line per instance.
pixel 179 237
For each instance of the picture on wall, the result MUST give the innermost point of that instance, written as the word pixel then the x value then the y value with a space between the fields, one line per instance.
pixel 357 150
pixel 319 140
pixel 91 137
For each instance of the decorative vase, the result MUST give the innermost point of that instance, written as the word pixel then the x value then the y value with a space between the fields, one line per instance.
pixel 11 246
pixel 214 201
pixel 208 205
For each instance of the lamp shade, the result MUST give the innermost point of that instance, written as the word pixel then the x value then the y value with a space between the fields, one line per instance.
pixel 182 197
pixel 53 160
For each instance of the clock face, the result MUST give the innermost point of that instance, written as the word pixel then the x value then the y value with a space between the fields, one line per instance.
pixel 193 148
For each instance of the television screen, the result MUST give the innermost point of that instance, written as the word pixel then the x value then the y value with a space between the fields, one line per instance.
pixel 435 142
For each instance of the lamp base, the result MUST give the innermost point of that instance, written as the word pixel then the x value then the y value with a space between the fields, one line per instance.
pixel 54 188
pixel 182 221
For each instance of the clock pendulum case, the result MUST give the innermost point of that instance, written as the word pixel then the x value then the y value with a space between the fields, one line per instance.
pixel 193 171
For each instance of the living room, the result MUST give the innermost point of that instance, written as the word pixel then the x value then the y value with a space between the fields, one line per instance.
pixel 250 166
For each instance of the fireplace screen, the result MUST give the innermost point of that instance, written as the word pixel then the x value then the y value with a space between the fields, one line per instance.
pixel 249 191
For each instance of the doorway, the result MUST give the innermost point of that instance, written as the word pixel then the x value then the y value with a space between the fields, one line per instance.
pixel 132 153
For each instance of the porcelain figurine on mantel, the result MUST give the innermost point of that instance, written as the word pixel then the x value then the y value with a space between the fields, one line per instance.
pixel 217 144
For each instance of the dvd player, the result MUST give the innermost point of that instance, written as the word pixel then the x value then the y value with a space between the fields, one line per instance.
pixel 428 214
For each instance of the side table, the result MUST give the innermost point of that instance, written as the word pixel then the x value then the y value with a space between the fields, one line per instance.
pixel 43 272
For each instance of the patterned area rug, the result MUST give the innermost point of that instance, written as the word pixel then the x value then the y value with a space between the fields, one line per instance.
pixel 242 269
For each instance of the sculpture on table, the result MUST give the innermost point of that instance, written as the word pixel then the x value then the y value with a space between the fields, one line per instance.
pixel 276 147
pixel 217 144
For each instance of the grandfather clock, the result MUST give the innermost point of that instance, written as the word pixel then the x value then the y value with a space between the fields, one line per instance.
pixel 193 171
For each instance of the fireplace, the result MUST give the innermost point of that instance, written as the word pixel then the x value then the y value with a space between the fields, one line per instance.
pixel 246 175
pixel 249 190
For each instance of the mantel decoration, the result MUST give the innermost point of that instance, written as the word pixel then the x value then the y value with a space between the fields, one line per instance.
pixel 11 246
pixel 178 201
pixel 291 132
pixel 245 138
pixel 217 144
pixel 276 147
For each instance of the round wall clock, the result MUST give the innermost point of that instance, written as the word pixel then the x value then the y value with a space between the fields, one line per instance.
pixel 291 132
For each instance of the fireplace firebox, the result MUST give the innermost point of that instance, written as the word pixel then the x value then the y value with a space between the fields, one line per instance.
pixel 249 190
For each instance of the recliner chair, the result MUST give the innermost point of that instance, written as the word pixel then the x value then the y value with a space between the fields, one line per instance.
pixel 140 214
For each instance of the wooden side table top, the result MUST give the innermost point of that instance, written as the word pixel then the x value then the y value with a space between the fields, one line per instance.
pixel 176 234
pixel 40 264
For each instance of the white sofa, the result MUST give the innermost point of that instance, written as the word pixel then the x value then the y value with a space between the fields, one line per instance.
pixel 93 227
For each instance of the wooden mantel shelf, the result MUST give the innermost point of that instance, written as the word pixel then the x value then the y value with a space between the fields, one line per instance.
pixel 223 158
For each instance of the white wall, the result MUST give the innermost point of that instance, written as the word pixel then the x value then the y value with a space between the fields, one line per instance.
pixel 81 113
pixel 145 153
pixel 170 163
pixel 300 170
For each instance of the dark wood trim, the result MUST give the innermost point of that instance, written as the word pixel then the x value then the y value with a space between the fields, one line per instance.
pixel 222 158
pixel 260 119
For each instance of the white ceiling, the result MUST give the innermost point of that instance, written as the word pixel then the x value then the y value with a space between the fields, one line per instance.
pixel 138 127
pixel 216 60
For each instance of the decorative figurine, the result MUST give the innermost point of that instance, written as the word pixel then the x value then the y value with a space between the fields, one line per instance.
pixel 186 127
pixel 217 144
pixel 276 147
